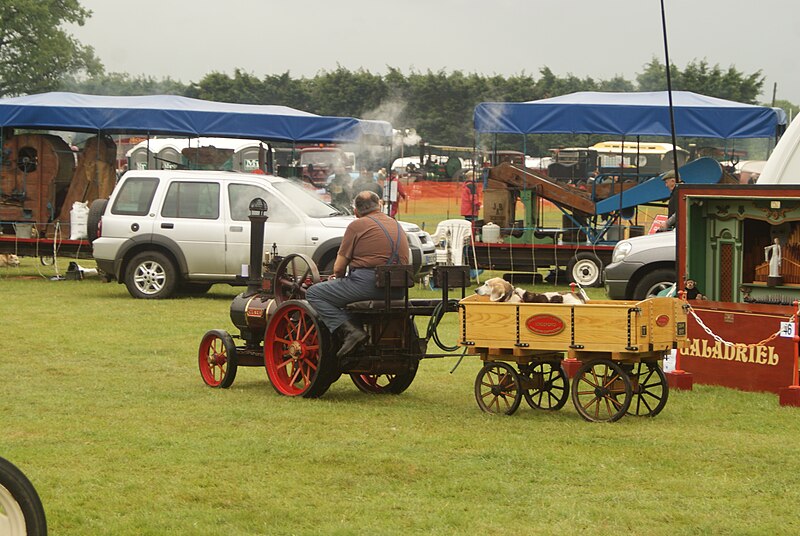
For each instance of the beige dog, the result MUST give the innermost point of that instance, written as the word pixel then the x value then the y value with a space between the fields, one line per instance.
pixel 9 259
pixel 500 290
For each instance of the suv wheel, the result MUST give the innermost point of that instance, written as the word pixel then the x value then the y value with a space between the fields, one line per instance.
pixel 585 269
pixel 653 283
pixel 151 275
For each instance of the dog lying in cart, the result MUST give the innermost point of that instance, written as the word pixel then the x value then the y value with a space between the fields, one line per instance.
pixel 619 345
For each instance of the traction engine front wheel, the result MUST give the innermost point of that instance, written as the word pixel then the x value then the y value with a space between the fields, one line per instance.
pixel 217 359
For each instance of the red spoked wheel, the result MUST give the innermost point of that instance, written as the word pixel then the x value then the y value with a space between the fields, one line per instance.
pixel 383 384
pixel 297 352
pixel 393 384
pixel 294 274
pixel 217 359
pixel 601 391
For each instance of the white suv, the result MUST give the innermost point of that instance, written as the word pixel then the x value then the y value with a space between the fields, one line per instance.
pixel 169 231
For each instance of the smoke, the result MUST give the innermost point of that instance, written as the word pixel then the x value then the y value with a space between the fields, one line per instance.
pixel 393 112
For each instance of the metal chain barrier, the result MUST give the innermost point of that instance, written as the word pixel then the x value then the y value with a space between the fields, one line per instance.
pixel 728 343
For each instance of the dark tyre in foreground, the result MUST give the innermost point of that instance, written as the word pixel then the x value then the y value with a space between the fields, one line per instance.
pixel 21 511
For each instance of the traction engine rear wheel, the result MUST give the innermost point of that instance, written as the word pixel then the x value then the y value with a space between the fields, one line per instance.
pixel 297 352
pixel 217 359
pixel 497 388
pixel 383 384
pixel 601 391
pixel 545 386
pixel 394 384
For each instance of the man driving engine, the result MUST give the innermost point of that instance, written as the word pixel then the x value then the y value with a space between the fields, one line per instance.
pixel 373 239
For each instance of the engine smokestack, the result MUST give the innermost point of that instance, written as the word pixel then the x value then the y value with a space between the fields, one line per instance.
pixel 258 216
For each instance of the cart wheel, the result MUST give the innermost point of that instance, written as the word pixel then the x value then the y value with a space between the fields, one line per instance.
pixel 295 273
pixel 497 388
pixel 601 391
pixel 650 390
pixel 545 386
pixel 297 352
pixel 21 510
pixel 217 359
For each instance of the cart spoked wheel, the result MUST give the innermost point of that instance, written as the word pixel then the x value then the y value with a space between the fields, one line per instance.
pixel 217 359
pixel 498 389
pixel 650 390
pixel 297 352
pixel 545 385
pixel 601 391
pixel 295 273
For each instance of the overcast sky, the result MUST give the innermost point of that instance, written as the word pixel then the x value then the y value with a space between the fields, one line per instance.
pixel 187 39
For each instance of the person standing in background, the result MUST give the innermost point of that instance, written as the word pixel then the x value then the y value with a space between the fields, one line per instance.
pixel 366 181
pixel 393 193
pixel 470 197
pixel 671 180
pixel 340 190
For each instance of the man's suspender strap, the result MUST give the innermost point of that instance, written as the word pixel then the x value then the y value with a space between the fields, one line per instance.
pixel 395 257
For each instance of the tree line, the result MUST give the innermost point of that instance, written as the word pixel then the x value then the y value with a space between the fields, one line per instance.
pixel 37 55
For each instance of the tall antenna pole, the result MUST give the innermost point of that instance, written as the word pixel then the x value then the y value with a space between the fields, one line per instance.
pixel 669 92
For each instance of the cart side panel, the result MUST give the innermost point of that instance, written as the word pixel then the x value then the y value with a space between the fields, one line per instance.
pixel 488 324
pixel 605 327
pixel 665 319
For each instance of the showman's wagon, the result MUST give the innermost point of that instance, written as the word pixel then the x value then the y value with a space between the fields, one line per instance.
pixel 618 345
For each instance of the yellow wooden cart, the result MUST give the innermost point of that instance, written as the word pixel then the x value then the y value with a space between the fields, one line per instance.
pixel 618 344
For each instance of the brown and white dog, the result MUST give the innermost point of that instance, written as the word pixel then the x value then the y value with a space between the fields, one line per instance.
pixel 9 259
pixel 500 290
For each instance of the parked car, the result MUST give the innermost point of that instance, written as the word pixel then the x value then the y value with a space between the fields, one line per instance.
pixel 167 231
pixel 641 267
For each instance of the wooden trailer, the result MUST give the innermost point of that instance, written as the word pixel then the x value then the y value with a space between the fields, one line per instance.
pixel 619 345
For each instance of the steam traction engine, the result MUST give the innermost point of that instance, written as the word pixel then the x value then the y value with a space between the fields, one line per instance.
pixel 282 332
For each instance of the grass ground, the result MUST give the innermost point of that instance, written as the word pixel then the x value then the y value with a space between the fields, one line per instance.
pixel 103 407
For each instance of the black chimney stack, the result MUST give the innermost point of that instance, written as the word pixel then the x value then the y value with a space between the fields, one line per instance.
pixel 258 216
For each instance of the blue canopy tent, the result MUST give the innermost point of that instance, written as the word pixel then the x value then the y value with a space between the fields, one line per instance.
pixel 175 115
pixel 630 114
pixel 633 114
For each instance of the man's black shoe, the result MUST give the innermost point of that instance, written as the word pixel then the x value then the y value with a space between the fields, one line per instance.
pixel 352 337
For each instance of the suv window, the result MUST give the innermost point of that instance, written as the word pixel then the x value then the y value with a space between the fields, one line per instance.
pixel 240 195
pixel 198 200
pixel 135 197
pixel 305 200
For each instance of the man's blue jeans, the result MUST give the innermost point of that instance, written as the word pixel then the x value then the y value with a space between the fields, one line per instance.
pixel 330 297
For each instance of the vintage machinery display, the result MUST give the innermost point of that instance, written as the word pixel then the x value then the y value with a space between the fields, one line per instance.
pixel 281 331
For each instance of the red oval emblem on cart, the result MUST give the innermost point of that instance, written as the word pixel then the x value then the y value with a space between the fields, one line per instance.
pixel 662 321
pixel 545 324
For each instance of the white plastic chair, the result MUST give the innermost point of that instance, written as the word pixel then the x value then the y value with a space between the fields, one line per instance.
pixel 451 237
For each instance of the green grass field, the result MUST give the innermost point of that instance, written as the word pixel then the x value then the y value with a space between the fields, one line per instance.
pixel 103 407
